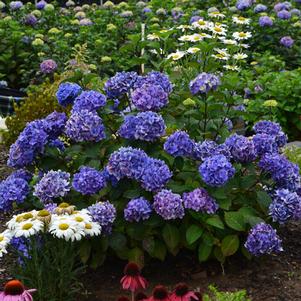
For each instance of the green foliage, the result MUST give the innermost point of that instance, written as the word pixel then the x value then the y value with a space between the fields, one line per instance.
pixel 215 295
pixel 293 153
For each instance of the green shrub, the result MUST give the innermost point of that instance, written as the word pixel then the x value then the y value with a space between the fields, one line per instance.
pixel 293 153
pixel 215 295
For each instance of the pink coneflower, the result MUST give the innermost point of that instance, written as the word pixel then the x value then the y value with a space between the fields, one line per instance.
pixel 14 291
pixel 160 293
pixel 132 280
pixel 182 293
pixel 197 297
pixel 140 297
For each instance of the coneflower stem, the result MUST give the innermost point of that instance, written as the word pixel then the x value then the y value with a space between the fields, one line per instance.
pixel 133 295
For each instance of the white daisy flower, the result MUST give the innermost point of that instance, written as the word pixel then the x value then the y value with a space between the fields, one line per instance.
pixel 216 14
pixel 176 55
pixel 92 229
pixel 240 20
pixel 193 50
pixel 185 38
pixel 5 238
pixel 152 37
pixel 184 27
pixel 240 56
pixel 222 54
pixel 228 41
pixel 17 219
pixel 201 24
pixel 81 217
pixel 232 67
pixel 218 30
pixel 28 228
pixel 242 35
pixel 244 46
pixel 2 250
pixel 66 229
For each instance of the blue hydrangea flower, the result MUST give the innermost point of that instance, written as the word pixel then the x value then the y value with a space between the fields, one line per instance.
pixel 265 21
pixel 15 5
pixel 30 20
pixel 22 174
pixel 22 246
pixel 53 184
pixel 30 143
pixel 264 143
pixel 295 12
pixel 103 213
pixel 287 41
pixel 120 84
pixel 50 207
pixel 54 124
pixel 259 8
pixel 146 126
pixel 168 205
pixel 89 100
pixel 137 210
pixel 209 148
pixel 199 200
pixel 242 149
pixel 282 171
pixel 284 14
pixel 155 78
pixel 12 190
pixel 286 205
pixel 67 92
pixel 156 175
pixel 85 126
pixel 179 144
pixel 127 162
pixel 263 239
pixel 282 6
pixel 57 143
pixel 216 170
pixel 204 83
pixel 88 180
pixel 41 4
pixel 243 4
pixel 149 97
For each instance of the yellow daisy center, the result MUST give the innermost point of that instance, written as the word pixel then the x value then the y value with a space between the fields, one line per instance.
pixel 64 205
pixel 63 227
pixel 242 35
pixel 27 226
pixel 43 213
pixel 1 238
pixel 27 216
pixel 79 219
pixel 88 226
pixel 218 29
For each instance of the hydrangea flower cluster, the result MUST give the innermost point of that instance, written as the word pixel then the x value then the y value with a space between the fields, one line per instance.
pixel 54 184
pixel 260 8
pixel 242 149
pixel 41 4
pixel 263 239
pixel 149 97
pixel 15 5
pixel 137 210
pixel 88 180
pixel 85 126
pixel 120 84
pixel 103 213
pixel 89 100
pixel 264 143
pixel 30 20
pixel 153 174
pixel 283 172
pixel 243 4
pixel 286 205
pixel 179 144
pixel 209 148
pixel 265 21
pixel 54 124
pixel 284 14
pixel 203 83
pixel 168 205
pixel 216 170
pixel 287 41
pixel 146 126
pixel 200 201
pixel 48 66
pixel 67 92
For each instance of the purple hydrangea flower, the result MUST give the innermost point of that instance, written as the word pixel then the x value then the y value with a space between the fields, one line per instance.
pixel 209 148
pixel 216 170
pixel 155 78
pixel 287 41
pixel 50 207
pixel 242 149
pixel 168 205
pixel 85 22
pixel 89 100
pixel 149 97
pixel 243 4
pixel 199 200
pixel 22 246
pixel 146 126
pixel 264 143
pixel 88 181
pixel 57 143
pixel 54 124
pixel 282 6
pixel 296 12
pixel 127 162
pixel 67 93
pixel 15 5
pixel 21 174
pixel 85 126
pixel 48 66
pixel 30 20
pixel 284 14
pixel 194 19
pixel 146 10
pixel 286 205
pixel 103 213
pixel 29 144
pixel 137 210
pixel 282 171
pixel 120 84
pixel 156 175
pixel 179 144
pixel 265 21
pixel 54 184
pixel 41 4
pixel 259 8
pixel 12 190
pixel 263 239
pixel 203 83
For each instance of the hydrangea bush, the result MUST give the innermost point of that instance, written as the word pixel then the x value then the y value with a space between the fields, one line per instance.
pixel 154 176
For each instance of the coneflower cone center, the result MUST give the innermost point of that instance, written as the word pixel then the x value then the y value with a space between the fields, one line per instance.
pixel 160 293
pixel 181 290
pixel 13 288
pixel 132 269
